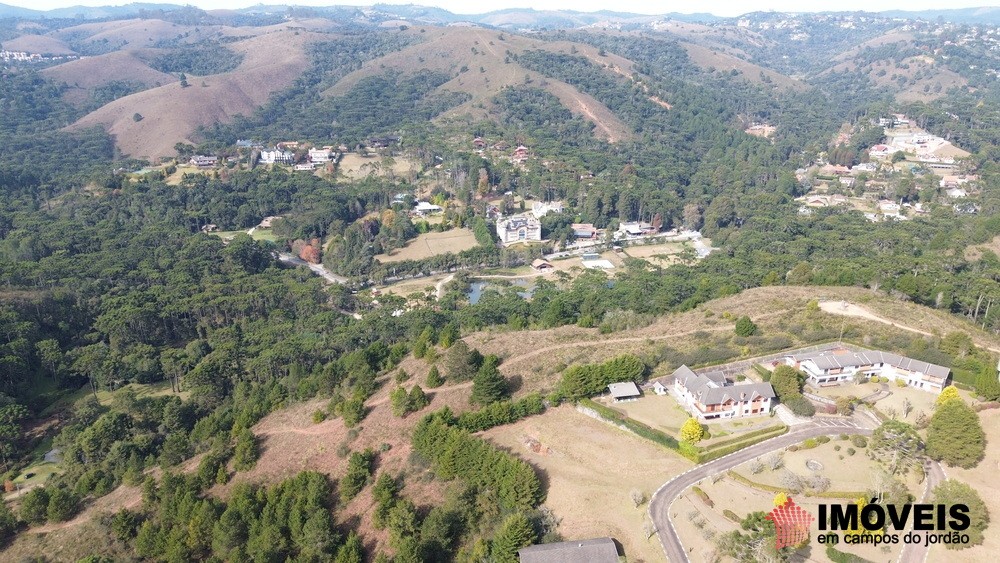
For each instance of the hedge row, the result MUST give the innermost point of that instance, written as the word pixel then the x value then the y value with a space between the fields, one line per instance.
pixel 772 489
pixel 746 436
pixel 642 430
pixel 703 496
pixel 504 412
pixel 685 449
pixel 716 453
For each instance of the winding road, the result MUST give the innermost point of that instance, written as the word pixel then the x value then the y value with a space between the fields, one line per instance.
pixel 664 497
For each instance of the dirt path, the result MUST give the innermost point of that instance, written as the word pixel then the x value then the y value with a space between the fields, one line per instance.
pixel 605 342
pixel 439 286
pixel 846 309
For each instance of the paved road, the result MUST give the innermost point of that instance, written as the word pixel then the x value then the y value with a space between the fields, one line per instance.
pixel 659 505
pixel 917 552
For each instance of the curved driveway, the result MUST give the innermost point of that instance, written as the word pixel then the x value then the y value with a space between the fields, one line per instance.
pixel 659 504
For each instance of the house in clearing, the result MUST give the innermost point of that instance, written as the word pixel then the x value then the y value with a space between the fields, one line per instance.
pixel 834 368
pixel 584 230
pixel 541 265
pixel 276 156
pixel 598 550
pixel 710 396
pixel 426 208
pixel 624 391
pixel 519 228
pixel 203 161
pixel 636 228
pixel 319 156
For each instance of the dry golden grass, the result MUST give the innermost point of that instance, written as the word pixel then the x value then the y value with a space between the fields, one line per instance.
pixel 432 244
pixel 982 478
pixel 83 75
pixel 709 57
pixel 173 113
pixel 38 44
pixel 484 55
pixel 975 252
pixel 356 166
pixel 136 32
pixel 591 468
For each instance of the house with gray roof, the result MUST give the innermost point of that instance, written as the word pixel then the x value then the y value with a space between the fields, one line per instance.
pixel 710 396
pixel 519 228
pixel 598 550
pixel 624 391
pixel 838 367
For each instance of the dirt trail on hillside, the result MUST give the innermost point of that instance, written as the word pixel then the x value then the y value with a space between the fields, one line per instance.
pixel 846 309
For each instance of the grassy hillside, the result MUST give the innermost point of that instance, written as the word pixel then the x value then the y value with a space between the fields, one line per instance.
pixel 172 113
pixel 481 64
pixel 85 75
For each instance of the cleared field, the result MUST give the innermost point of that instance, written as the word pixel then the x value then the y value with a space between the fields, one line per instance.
pixel 976 252
pixel 591 467
pixel 432 244
pixel 408 287
pixel 355 166
pixel 663 254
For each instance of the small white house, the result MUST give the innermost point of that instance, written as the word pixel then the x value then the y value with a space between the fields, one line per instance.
pixel 426 208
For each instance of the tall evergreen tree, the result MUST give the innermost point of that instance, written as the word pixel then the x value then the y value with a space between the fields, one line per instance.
pixel 955 435
pixel 514 533
pixel 488 386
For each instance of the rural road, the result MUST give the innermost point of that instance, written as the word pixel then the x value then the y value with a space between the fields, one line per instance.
pixel 664 497
pixel 917 552
pixel 318 269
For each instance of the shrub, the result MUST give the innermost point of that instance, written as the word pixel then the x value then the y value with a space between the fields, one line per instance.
pixel 731 515
pixel 800 405
pixel 823 439
pixel 900 383
pixel 745 327
pixel 809 443
pixel 318 416
pixel 851 451
pixel 859 441
pixel 836 448
pixel 793 448
pixel 703 496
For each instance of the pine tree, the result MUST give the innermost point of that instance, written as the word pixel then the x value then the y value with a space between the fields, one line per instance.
pixel 488 386
pixel 987 384
pixel 955 435
pixel 417 399
pixel 745 327
pixel 222 476
pixel 245 452
pixel 514 533
pixel 449 335
pixel 434 378
pixel 398 399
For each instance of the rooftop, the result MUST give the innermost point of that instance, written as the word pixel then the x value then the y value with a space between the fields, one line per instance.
pixel 598 550
pixel 623 390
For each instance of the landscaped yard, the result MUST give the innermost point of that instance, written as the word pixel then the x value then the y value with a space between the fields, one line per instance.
pixel 432 244
pixel 919 400
pixel 663 413
pixel 699 525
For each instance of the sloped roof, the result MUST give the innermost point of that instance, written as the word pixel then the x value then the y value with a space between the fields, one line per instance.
pixel 696 382
pixel 623 389
pixel 872 358
pixel 739 393
pixel 598 550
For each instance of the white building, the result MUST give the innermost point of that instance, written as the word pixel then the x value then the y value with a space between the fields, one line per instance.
pixel 519 228
pixel 426 208
pixel 835 368
pixel 541 209
pixel 710 396
pixel 276 156
pixel 319 156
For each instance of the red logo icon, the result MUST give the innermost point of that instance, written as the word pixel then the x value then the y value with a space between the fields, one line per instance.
pixel 791 522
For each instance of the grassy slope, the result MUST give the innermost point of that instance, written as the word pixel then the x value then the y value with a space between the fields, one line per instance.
pixel 172 113
pixel 484 54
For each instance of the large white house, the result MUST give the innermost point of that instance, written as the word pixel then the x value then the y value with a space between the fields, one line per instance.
pixel 710 396
pixel 835 368
pixel 519 228
pixel 276 156
pixel 322 155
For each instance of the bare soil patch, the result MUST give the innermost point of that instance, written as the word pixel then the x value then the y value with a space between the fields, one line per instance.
pixel 591 467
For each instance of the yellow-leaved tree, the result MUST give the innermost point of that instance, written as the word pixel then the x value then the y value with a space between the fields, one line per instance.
pixel 692 431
